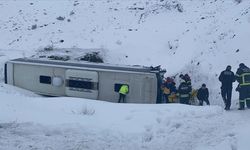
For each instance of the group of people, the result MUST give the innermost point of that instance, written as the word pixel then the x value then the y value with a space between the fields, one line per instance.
pixel 242 76
pixel 184 93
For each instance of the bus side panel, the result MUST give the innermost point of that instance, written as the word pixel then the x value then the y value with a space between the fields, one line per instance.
pixel 107 81
pixel 142 87
pixel 82 83
pixel 150 89
pixel 29 77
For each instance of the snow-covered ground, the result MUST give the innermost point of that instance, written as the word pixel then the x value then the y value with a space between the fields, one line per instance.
pixel 199 37
pixel 28 122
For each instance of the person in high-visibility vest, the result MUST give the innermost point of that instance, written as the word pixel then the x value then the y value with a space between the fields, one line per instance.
pixel 122 93
pixel 243 78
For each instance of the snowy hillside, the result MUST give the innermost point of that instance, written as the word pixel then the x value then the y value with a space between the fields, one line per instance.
pixel 199 37
pixel 182 36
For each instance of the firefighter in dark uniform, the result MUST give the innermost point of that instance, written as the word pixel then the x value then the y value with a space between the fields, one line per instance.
pixel 227 78
pixel 243 77
pixel 184 91
pixel 188 80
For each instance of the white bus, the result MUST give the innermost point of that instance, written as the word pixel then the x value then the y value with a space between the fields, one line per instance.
pixel 86 80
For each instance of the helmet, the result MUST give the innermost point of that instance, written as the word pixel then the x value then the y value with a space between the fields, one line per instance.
pixel 242 65
pixel 203 85
pixel 187 77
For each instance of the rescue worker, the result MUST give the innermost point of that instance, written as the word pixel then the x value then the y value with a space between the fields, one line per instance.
pixel 181 76
pixel 203 95
pixel 188 80
pixel 172 97
pixel 243 78
pixel 122 93
pixel 227 78
pixel 169 90
pixel 184 91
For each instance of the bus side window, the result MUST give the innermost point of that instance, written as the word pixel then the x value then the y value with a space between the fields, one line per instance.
pixel 45 79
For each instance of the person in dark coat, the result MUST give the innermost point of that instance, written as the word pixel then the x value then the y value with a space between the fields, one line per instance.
pixel 203 95
pixel 227 78
pixel 243 78
pixel 184 91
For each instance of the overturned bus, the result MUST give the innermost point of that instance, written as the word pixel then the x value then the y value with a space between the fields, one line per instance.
pixel 86 80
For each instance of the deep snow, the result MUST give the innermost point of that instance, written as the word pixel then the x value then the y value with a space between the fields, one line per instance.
pixel 72 123
pixel 199 37
pixel 29 122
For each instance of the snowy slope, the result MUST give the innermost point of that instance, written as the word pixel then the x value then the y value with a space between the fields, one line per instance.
pixel 199 37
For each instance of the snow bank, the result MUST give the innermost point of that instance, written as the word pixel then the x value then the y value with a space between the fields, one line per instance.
pixel 34 122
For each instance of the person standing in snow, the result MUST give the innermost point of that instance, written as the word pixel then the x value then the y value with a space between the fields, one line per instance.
pixel 227 78
pixel 122 93
pixel 203 95
pixel 188 80
pixel 243 78
pixel 169 89
pixel 184 92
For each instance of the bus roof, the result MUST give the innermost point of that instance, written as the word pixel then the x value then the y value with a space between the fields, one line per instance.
pixel 134 68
